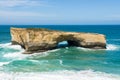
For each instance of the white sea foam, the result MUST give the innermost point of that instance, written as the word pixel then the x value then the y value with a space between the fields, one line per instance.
pixel 15 55
pixel 61 62
pixel 112 47
pixel 66 48
pixel 84 49
pixel 53 50
pixel 87 49
pixel 17 47
pixel 43 54
pixel 9 45
pixel 60 75
pixel 19 55
pixel 5 44
pixel 4 63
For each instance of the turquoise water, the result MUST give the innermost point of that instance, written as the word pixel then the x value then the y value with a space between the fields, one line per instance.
pixel 69 63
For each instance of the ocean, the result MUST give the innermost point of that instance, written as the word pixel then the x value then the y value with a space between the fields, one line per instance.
pixel 69 63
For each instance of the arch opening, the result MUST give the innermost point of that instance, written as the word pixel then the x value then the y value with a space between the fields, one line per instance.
pixel 67 43
pixel 62 44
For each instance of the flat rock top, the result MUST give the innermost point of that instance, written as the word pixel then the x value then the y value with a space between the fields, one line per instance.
pixel 33 37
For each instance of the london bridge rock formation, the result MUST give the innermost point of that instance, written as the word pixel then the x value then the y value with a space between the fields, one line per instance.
pixel 39 40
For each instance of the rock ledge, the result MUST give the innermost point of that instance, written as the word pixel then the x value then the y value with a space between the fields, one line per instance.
pixel 40 40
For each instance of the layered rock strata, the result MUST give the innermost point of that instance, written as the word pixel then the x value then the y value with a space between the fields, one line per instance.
pixel 39 40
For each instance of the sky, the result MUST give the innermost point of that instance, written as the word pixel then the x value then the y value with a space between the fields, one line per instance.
pixel 59 12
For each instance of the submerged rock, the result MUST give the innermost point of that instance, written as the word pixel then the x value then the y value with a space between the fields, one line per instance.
pixel 40 40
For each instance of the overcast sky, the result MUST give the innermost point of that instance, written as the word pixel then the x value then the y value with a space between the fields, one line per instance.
pixel 59 12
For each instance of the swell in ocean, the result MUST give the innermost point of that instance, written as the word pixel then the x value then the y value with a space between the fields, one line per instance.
pixel 69 63
pixel 60 75
pixel 11 53
pixel 15 51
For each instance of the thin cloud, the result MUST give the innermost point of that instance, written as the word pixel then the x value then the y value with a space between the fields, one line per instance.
pixel 21 3
pixel 25 17
pixel 24 14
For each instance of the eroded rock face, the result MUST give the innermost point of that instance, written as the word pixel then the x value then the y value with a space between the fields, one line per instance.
pixel 39 40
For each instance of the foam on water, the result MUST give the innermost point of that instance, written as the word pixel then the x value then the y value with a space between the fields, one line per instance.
pixel 61 62
pixel 4 63
pixel 18 54
pixel 112 47
pixel 42 54
pixel 84 49
pixel 9 45
pixel 5 44
pixel 59 75
pixel 18 47
pixel 15 55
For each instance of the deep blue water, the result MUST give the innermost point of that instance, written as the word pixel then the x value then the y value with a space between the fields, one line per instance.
pixel 69 58
pixel 111 31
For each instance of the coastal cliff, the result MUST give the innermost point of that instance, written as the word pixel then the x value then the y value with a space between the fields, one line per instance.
pixel 39 40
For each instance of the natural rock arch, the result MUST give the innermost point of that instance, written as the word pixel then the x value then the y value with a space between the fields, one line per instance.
pixel 72 41
pixel 38 40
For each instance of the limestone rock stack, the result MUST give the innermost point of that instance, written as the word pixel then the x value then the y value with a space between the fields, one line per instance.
pixel 39 40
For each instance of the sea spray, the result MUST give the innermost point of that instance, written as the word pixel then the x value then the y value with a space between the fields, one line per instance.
pixel 113 47
pixel 60 75
pixel 69 63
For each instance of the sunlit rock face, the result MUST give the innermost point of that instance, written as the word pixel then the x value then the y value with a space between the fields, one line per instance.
pixel 39 40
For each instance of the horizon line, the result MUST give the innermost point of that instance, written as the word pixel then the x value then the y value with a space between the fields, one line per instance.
pixel 56 24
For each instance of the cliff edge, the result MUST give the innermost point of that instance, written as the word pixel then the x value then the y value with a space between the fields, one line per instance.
pixel 39 40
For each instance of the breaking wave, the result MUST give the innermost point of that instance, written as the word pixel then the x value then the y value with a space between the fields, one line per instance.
pixel 112 47
pixel 60 75
pixel 9 45
pixel 4 63
pixel 18 54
